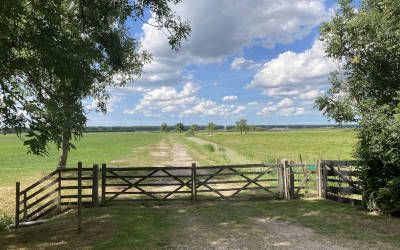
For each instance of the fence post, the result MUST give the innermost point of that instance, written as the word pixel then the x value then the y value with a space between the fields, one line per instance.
pixel 25 210
pixel 79 197
pixel 284 164
pixel 95 185
pixel 281 183
pixel 322 179
pixel 17 198
pixel 103 183
pixel 194 192
pixel 59 192
pixel 290 177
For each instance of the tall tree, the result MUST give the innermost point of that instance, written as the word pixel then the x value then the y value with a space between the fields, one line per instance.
pixel 364 40
pixel 56 54
pixel 242 126
pixel 179 128
pixel 211 128
pixel 164 127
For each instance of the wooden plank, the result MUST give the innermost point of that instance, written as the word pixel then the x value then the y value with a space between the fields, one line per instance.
pixel 44 213
pixel 40 181
pixel 103 183
pixel 95 185
pixel 234 189
pixel 75 196
pixel 17 199
pixel 42 189
pixel 148 192
pixel 43 198
pixel 343 199
pixel 76 187
pixel 233 174
pixel 193 182
pixel 37 210
pixel 79 219
pixel 344 190
pixel 238 181
pixel 128 169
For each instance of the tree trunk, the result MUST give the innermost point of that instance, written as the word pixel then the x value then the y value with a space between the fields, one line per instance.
pixel 62 163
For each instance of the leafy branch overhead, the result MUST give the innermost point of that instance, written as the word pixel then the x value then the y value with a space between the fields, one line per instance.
pixel 56 54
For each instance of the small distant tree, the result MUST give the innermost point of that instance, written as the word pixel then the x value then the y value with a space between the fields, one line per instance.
pixel 211 128
pixel 164 127
pixel 179 128
pixel 194 127
pixel 242 126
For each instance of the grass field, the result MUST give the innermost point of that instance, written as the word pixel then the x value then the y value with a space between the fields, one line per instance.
pixel 332 144
pixel 213 225
pixel 16 164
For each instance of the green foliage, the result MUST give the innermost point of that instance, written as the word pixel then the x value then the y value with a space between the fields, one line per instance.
pixel 242 126
pixel 57 54
pixel 164 127
pixel 365 89
pixel 179 128
pixel 211 128
pixel 5 221
pixel 209 147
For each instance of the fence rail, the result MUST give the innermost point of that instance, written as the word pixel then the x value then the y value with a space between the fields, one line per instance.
pixel 339 181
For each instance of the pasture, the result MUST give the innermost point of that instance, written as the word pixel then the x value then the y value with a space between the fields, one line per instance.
pixel 175 225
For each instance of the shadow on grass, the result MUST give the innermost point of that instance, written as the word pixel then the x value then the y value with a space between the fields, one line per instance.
pixel 129 226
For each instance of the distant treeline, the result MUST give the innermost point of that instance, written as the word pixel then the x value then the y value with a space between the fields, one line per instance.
pixel 204 127
pixel 200 127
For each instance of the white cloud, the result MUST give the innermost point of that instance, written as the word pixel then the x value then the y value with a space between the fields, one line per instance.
pixel 284 107
pixel 224 32
pixel 168 100
pixel 302 75
pixel 239 63
pixel 252 104
pixel 229 98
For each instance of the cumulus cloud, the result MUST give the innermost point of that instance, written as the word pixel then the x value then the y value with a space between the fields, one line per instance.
pixel 183 103
pixel 229 98
pixel 224 32
pixel 239 63
pixel 303 75
pixel 284 107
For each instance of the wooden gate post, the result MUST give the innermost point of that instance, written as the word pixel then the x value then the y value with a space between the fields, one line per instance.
pixel 103 183
pixel 59 191
pixel 194 192
pixel 281 182
pixel 322 179
pixel 290 181
pixel 95 185
pixel 79 197
pixel 286 194
pixel 17 205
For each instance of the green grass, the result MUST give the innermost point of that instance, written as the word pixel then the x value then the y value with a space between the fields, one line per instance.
pixel 127 227
pixel 269 146
pixel 16 164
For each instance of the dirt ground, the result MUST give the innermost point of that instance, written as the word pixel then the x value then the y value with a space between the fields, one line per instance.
pixel 262 233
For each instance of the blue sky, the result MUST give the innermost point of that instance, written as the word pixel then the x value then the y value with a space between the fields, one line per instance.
pixel 254 59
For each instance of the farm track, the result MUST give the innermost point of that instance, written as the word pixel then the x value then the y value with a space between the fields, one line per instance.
pixel 257 233
pixel 231 154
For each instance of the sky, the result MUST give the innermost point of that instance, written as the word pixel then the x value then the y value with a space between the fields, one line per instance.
pixel 259 60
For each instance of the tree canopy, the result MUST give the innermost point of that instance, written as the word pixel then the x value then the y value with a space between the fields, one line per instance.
pixel 242 126
pixel 364 40
pixel 211 128
pixel 57 54
pixel 179 128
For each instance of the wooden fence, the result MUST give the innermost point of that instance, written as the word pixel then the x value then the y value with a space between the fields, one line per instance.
pixel 338 181
pixel 64 189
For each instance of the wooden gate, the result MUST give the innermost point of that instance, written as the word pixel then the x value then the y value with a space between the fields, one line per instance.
pixel 188 183
pixel 339 181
